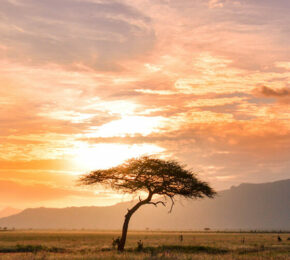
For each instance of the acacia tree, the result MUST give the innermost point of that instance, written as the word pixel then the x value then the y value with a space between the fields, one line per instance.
pixel 167 178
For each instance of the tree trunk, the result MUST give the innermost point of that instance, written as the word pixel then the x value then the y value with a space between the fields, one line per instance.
pixel 127 219
pixel 124 232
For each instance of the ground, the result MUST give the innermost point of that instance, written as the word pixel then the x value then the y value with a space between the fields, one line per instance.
pixel 82 245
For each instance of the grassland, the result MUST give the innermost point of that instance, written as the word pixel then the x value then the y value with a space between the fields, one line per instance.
pixel 77 245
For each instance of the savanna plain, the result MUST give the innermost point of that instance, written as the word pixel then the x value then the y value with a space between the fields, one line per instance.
pixel 91 245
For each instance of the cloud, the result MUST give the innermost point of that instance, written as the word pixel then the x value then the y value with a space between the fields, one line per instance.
pixel 176 75
pixel 270 92
pixel 216 3
pixel 238 30
pixel 238 150
pixel 97 34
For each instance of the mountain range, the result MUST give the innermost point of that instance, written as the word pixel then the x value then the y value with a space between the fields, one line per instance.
pixel 246 207
pixel 6 212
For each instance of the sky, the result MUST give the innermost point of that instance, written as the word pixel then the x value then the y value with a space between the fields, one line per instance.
pixel 87 84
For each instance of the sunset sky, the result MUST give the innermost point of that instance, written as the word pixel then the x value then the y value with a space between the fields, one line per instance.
pixel 87 84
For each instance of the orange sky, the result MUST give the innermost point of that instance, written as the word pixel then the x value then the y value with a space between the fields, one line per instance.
pixel 86 84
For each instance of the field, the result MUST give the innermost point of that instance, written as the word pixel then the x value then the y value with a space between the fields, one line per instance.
pixel 91 245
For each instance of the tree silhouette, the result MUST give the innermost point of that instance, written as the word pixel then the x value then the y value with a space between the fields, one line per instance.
pixel 167 178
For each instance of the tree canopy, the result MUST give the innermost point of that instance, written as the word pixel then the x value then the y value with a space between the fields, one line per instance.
pixel 155 176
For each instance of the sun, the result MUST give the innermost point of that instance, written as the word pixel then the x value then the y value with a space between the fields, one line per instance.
pixel 89 156
pixel 103 155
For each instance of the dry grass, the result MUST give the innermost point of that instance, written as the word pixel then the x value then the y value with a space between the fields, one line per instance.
pixel 81 245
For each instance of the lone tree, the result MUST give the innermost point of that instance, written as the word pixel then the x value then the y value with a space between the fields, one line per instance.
pixel 156 177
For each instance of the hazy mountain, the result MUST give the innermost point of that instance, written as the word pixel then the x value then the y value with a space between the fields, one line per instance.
pixel 6 212
pixel 247 206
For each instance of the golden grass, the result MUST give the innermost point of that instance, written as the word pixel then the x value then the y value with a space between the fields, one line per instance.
pixel 89 245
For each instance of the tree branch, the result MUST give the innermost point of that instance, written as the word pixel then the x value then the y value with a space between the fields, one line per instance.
pixel 156 203
pixel 172 204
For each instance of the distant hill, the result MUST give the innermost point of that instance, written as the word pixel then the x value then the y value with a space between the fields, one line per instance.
pixel 8 212
pixel 247 206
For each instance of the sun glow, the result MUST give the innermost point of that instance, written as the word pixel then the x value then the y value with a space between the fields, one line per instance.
pixel 104 155
pixel 129 125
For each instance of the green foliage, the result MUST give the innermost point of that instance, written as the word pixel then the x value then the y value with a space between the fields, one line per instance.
pixel 30 249
pixel 188 249
pixel 194 249
pixel 23 248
